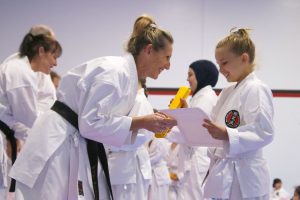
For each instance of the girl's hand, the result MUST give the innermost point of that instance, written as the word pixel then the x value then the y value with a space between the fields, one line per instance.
pixel 183 103
pixel 217 131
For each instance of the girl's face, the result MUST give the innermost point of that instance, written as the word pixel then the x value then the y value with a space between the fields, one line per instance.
pixel 234 67
pixel 191 78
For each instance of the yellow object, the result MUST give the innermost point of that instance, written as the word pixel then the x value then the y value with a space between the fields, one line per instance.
pixel 183 92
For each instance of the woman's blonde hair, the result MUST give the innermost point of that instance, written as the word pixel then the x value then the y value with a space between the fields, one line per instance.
pixel 145 31
pixel 239 42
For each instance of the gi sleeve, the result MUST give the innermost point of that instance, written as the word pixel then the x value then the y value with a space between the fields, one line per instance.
pixel 96 121
pixel 24 109
pixel 257 112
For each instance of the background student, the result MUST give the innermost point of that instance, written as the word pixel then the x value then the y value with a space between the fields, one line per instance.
pixel 25 87
pixel 193 161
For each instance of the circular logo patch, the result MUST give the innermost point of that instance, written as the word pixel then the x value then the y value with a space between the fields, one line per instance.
pixel 232 119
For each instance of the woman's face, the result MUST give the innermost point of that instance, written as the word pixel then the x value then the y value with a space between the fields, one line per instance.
pixel 46 61
pixel 157 61
pixel 191 78
pixel 232 66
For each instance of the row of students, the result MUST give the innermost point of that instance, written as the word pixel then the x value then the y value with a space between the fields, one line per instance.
pixel 57 161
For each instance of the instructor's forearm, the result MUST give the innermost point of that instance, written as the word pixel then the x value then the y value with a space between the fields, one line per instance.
pixel 137 123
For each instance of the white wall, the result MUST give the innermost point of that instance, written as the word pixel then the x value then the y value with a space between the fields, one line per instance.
pixel 88 29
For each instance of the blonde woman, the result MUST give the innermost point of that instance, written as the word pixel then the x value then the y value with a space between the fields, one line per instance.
pixel 64 154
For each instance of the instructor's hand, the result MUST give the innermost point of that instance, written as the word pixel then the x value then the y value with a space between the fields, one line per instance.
pixel 156 122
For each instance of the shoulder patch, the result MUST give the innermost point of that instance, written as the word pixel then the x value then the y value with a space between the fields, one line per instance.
pixel 232 119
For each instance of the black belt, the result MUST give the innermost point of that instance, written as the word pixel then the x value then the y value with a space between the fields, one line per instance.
pixel 95 149
pixel 10 137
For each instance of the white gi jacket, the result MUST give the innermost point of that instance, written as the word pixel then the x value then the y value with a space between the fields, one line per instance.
pixel 172 164
pixel 24 94
pixel 130 164
pixel 54 159
pixel 246 110
pixel 193 162
pixel 125 160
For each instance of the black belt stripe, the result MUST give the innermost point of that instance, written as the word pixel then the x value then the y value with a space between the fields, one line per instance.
pixel 10 136
pixel 95 149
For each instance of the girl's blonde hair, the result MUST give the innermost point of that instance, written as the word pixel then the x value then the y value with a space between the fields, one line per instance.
pixel 239 42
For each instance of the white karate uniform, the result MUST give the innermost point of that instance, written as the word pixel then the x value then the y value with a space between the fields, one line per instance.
pixel 193 162
pixel 24 94
pixel 54 159
pixel 159 187
pixel 238 170
pixel 280 194
pixel 129 165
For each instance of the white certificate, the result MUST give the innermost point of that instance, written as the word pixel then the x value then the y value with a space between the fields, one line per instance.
pixel 189 123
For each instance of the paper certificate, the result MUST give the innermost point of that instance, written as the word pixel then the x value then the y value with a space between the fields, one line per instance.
pixel 189 123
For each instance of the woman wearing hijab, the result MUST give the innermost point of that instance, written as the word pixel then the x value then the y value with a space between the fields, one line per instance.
pixel 193 162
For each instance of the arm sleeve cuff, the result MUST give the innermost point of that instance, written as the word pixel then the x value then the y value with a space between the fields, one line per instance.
pixel 233 141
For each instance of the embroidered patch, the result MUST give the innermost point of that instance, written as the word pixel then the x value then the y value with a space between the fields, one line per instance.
pixel 80 188
pixel 232 119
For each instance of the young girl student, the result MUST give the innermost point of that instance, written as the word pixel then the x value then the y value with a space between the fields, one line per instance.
pixel 243 119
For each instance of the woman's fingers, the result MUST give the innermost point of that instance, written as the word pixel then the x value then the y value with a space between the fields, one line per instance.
pixel 183 103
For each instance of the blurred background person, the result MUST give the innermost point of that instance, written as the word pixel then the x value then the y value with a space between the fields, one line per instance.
pixel 296 195
pixel 172 164
pixel 158 151
pixel 193 161
pixel 279 193
pixel 25 87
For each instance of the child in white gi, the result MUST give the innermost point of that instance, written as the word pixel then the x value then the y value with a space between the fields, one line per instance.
pixel 243 119
pixel 158 151
pixel 129 165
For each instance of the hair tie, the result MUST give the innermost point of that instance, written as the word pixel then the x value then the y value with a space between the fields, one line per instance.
pixel 233 29
pixel 153 25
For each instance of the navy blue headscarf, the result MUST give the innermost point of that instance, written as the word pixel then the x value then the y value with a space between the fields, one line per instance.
pixel 206 73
